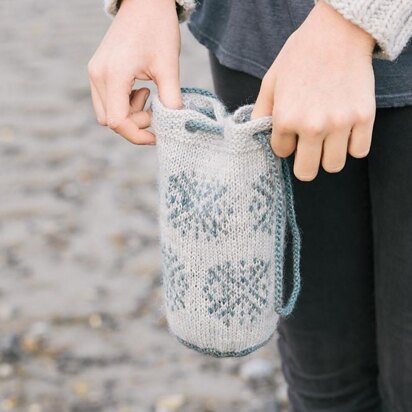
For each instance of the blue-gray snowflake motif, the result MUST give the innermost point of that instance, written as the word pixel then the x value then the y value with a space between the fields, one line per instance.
pixel 237 292
pixel 174 280
pixel 263 203
pixel 196 206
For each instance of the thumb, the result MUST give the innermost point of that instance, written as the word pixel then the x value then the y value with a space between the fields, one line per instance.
pixel 264 102
pixel 168 85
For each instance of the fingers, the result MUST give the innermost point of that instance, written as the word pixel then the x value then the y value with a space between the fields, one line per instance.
pixel 329 143
pixel 361 137
pixel 138 99
pixel 283 144
pixel 168 85
pixel 307 158
pixel 118 113
pixel 98 105
pixel 142 119
pixel 335 148
pixel 283 140
pixel 264 102
pixel 322 140
pixel 318 140
pixel 120 108
pixel 284 137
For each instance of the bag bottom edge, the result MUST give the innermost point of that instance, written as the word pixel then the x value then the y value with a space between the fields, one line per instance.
pixel 222 354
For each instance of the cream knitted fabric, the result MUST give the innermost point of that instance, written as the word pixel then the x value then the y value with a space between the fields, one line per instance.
pixel 223 216
pixel 388 21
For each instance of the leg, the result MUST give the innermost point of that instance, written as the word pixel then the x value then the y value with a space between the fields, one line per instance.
pixel 328 344
pixel 235 88
pixel 390 163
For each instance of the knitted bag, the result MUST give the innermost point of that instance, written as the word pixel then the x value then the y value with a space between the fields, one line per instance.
pixel 225 202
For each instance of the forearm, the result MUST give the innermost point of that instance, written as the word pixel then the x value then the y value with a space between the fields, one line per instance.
pixel 183 7
pixel 389 22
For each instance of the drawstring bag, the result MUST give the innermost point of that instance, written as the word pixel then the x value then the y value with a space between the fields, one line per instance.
pixel 225 205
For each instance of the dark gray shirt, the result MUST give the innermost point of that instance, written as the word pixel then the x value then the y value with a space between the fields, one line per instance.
pixel 248 35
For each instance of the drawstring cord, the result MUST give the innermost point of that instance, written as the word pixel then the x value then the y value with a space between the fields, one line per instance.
pixel 195 125
pixel 264 139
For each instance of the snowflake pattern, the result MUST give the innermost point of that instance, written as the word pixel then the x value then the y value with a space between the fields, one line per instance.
pixel 263 204
pixel 175 280
pixel 237 291
pixel 195 206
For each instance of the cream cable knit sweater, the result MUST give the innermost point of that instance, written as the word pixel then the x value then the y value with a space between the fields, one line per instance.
pixel 389 22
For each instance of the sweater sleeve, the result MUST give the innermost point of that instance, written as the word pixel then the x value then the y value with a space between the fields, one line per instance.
pixel 389 22
pixel 183 7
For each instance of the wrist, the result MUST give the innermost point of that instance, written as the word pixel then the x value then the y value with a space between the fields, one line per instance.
pixel 340 29
pixel 141 3
pixel 154 11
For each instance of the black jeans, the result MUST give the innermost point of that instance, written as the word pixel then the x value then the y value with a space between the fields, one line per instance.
pixel 347 347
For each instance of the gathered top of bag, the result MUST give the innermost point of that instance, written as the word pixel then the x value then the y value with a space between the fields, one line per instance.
pixel 203 112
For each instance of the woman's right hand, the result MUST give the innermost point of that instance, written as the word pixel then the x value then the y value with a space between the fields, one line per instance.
pixel 143 43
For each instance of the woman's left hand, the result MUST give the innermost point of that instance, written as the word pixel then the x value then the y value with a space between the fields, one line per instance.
pixel 320 91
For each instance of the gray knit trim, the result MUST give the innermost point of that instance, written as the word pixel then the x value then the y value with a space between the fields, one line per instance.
pixel 219 354
pixel 389 22
pixel 184 8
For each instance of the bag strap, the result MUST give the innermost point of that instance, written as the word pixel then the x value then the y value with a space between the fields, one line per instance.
pixel 291 222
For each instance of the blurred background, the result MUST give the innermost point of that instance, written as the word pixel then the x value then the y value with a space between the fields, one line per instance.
pixel 81 321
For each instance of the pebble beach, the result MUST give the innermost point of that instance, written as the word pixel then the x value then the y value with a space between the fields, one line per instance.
pixel 82 325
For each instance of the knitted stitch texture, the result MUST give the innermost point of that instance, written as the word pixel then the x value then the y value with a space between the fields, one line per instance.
pixel 225 202
pixel 389 22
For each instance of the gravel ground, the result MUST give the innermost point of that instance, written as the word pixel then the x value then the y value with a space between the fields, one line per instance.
pixel 81 325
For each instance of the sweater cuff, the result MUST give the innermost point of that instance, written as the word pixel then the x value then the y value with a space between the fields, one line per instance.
pixel 389 22
pixel 184 8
